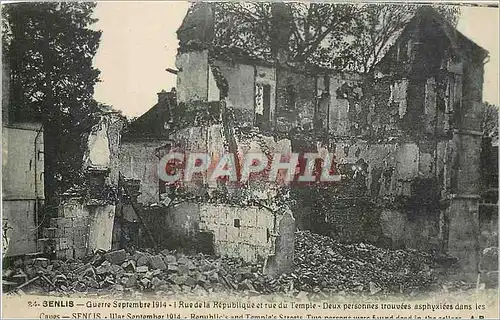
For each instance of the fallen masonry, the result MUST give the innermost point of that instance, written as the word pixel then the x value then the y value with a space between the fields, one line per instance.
pixel 322 266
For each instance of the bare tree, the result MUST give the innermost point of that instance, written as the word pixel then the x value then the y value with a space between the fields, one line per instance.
pixel 489 123
pixel 376 26
pixel 340 36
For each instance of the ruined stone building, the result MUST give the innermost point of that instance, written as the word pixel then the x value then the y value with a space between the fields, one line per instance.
pixel 406 139
pixel 85 214
pixel 409 132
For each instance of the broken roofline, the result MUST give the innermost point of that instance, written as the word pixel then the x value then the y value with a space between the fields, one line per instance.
pixel 300 67
pixel 451 32
pixel 175 167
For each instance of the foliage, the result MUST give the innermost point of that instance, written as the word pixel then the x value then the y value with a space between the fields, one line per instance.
pixel 340 36
pixel 49 48
pixel 489 124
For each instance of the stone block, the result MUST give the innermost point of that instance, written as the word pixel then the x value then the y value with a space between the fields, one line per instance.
pixel 157 262
pixel 143 261
pixel 129 266
pixel 233 234
pixel 142 269
pixel 64 243
pixel 80 252
pixel 116 257
pixel 69 232
pixel 172 267
pixel 170 259
pixel 221 233
pixel 49 232
pixel 282 261
pixel 61 254
pixel 130 281
pixel 80 222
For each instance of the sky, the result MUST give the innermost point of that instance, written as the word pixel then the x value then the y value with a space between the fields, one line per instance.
pixel 139 42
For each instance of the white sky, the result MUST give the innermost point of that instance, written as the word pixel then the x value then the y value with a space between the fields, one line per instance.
pixel 139 42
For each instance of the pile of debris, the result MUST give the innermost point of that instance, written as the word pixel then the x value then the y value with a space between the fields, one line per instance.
pixel 321 262
pixel 321 265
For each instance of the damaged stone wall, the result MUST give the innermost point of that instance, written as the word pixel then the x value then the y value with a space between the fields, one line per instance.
pixel 192 78
pixel 226 230
pixel 241 79
pixel 333 103
pixel 221 218
pixel 366 121
pixel 139 160
pixel 85 217
pixel 79 229
pixel 397 180
pixel 295 100
pixel 405 137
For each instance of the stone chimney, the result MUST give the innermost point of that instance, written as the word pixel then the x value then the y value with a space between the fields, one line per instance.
pixel 162 96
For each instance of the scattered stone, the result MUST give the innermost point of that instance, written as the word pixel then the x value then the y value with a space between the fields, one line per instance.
pixel 183 260
pixel 143 261
pixel 103 268
pixel 131 281
pixel 191 265
pixel 116 270
pixel 213 276
pixel 156 282
pixel 170 259
pixel 191 282
pixel 374 288
pixel 489 280
pixel 183 269
pixel 89 272
pixel 200 291
pixel 41 262
pixel 129 266
pixel 142 269
pixel 145 282
pixel 172 267
pixel 322 266
pixel 116 257
pixel 157 262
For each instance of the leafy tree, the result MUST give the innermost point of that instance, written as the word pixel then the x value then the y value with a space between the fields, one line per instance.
pixel 49 48
pixel 341 36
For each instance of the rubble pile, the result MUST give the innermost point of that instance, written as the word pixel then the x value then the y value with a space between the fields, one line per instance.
pixel 321 265
pixel 321 262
